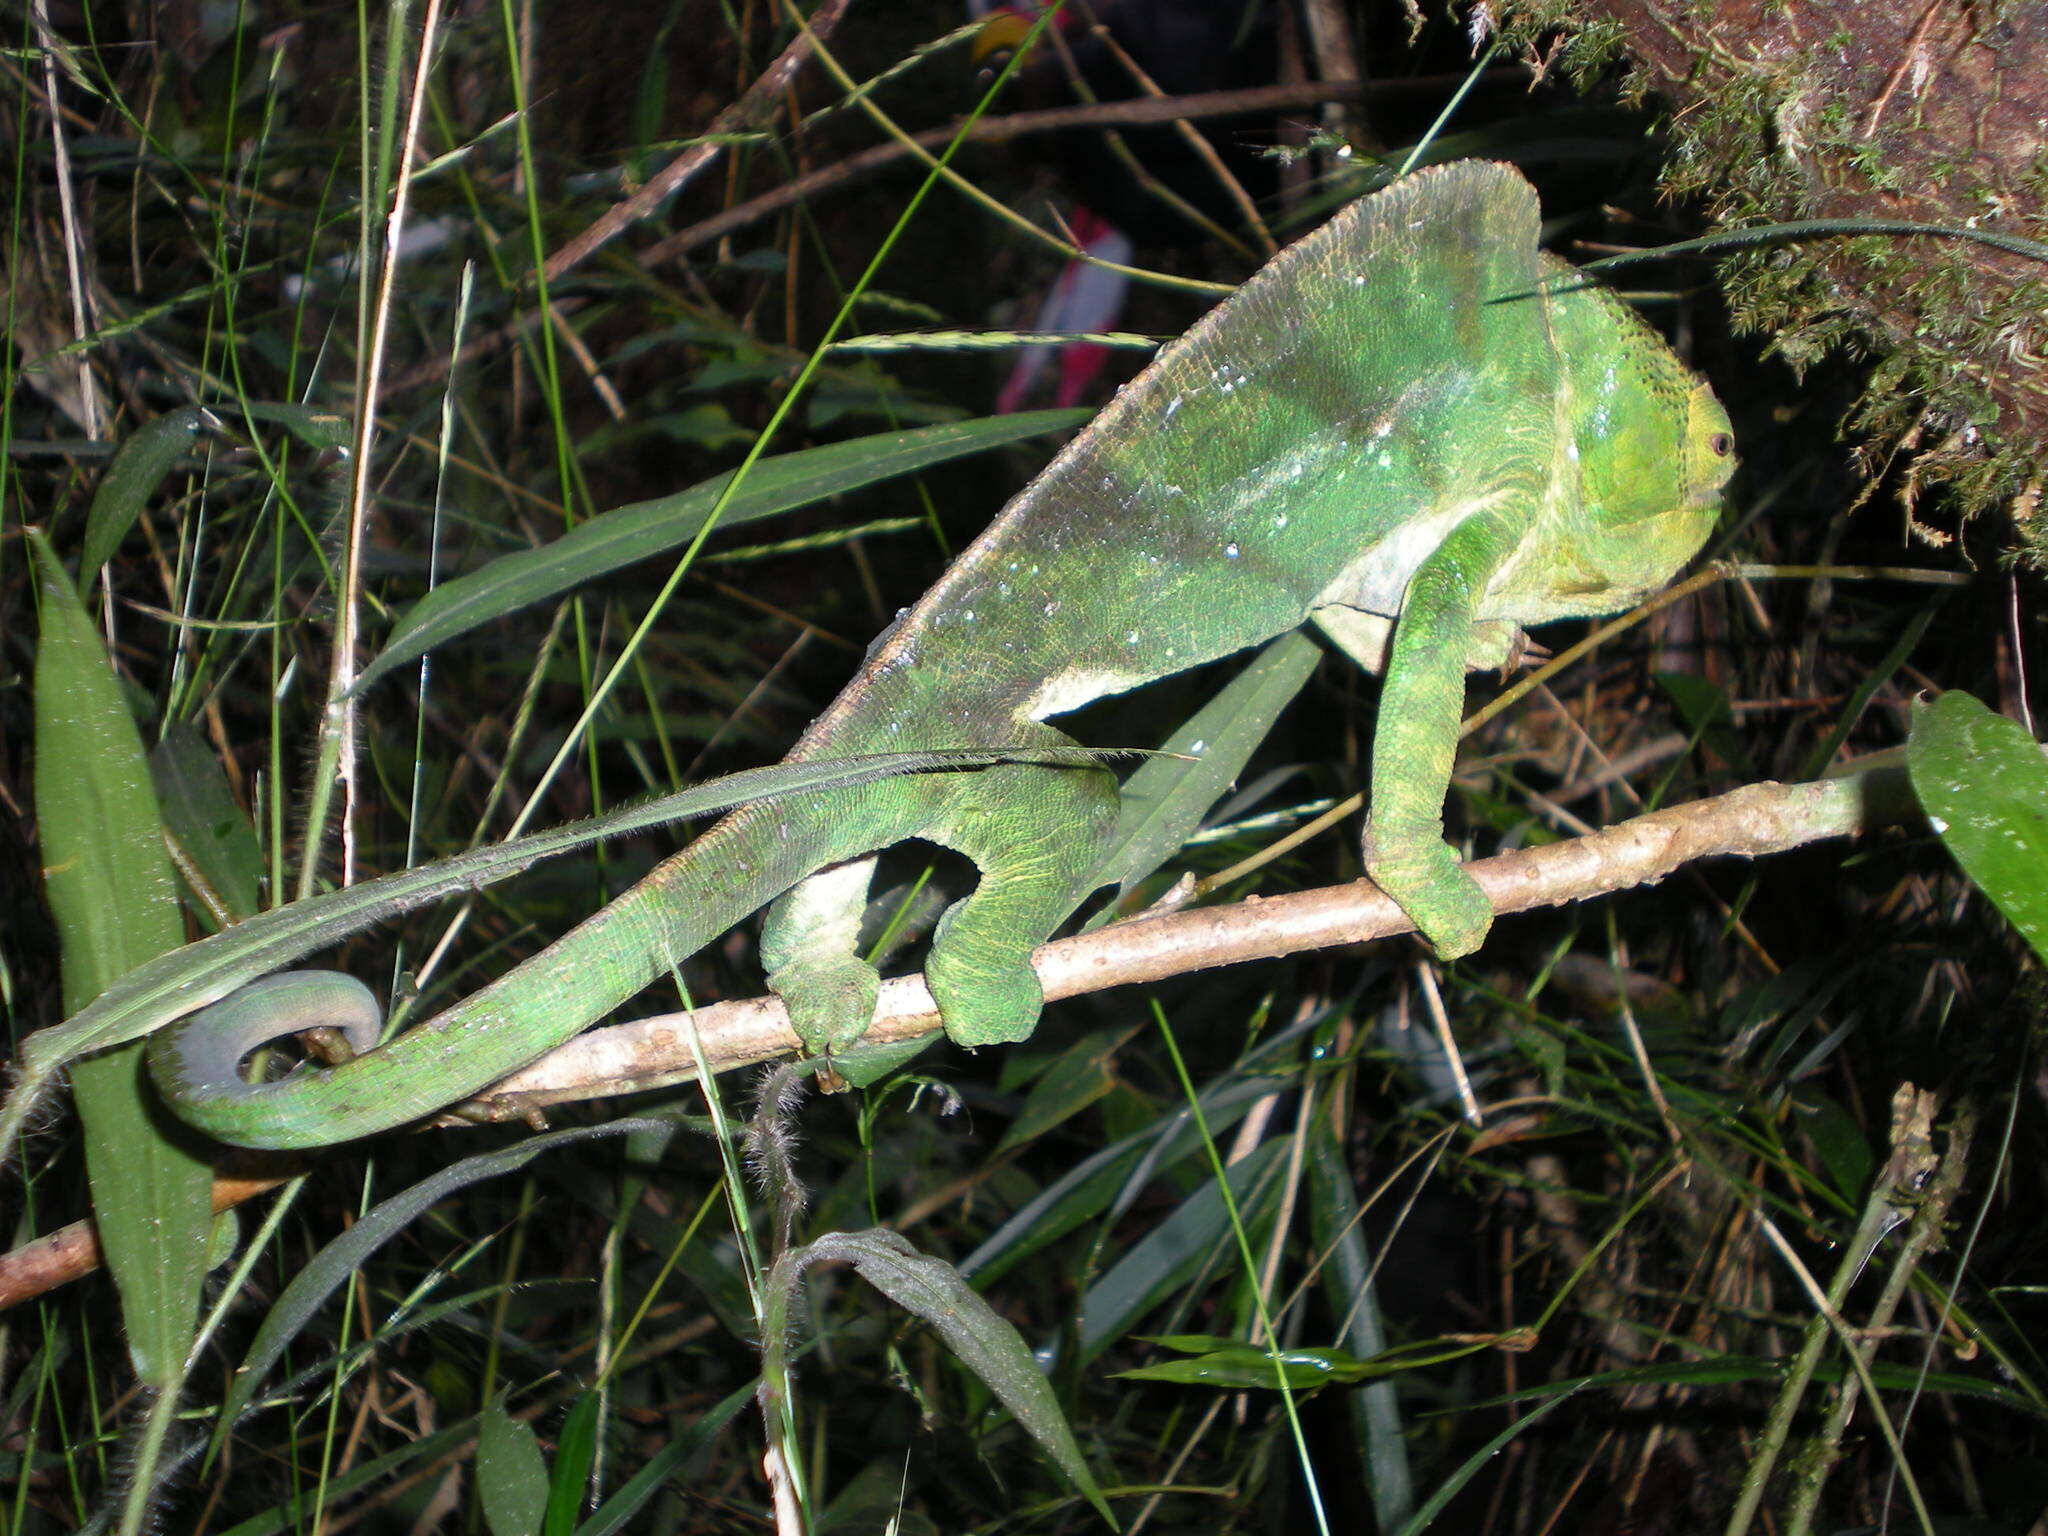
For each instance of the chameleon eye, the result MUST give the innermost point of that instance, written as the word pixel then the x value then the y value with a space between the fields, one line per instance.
pixel 1721 445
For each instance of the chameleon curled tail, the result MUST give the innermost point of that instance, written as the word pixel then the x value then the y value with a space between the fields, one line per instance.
pixel 980 959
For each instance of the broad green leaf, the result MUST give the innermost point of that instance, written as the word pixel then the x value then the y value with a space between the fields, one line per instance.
pixel 110 889
pixel 978 1336
pixel 511 1474
pixel 1165 800
pixel 608 542
pixel 138 469
pixel 1982 782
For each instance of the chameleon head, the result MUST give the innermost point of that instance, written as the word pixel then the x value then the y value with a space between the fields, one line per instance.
pixel 1650 449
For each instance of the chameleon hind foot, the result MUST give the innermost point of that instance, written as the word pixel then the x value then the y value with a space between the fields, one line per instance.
pixel 1445 904
pixel 810 944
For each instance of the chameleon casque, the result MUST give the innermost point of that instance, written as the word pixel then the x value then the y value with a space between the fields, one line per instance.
pixel 1403 429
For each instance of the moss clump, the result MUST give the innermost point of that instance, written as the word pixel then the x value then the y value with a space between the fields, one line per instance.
pixel 1870 109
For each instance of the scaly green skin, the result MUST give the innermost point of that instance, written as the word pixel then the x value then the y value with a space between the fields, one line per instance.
pixel 1390 430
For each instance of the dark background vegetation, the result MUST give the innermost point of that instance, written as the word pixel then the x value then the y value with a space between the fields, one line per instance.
pixel 214 167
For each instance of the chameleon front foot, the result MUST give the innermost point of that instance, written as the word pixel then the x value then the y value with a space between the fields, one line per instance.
pixel 985 999
pixel 1445 904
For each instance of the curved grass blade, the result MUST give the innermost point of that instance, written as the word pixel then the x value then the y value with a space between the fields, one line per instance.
pixel 670 1461
pixel 1469 1468
pixel 331 1267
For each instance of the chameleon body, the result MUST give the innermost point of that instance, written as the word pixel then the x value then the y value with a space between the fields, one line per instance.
pixel 1395 430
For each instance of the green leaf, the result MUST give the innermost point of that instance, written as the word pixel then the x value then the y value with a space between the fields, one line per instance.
pixel 1237 1366
pixel 1351 1292
pixel 211 831
pixel 511 1474
pixel 332 1266
pixel 1165 800
pixel 1839 1140
pixel 575 1455
pixel 322 431
pixel 1984 787
pixel 979 1338
pixel 138 469
pixel 1080 1075
pixel 295 1513
pixel 1234 1365
pixel 619 538
pixel 110 889
pixel 1175 1250
pixel 1471 1467
pixel 1709 716
pixel 671 1461
pixel 1112 1175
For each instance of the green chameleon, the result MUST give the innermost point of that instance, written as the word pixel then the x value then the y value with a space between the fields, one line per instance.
pixel 1395 430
